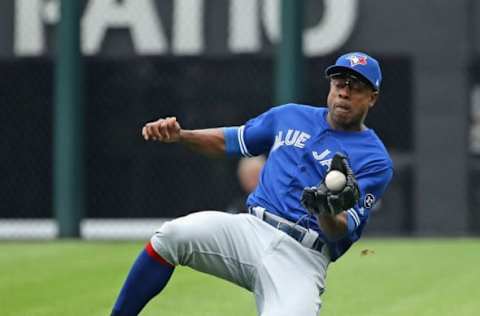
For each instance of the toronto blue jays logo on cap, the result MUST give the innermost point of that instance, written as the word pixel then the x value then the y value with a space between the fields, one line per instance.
pixel 357 60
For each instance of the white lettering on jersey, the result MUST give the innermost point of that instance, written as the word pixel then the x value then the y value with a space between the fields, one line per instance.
pixel 320 158
pixel 292 138
pixel 326 163
pixel 300 142
pixel 278 141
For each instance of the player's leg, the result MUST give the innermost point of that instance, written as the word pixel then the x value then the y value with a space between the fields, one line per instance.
pixel 221 244
pixel 290 281
pixel 147 277
pixel 224 245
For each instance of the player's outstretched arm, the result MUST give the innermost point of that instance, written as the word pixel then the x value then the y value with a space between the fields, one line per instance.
pixel 167 130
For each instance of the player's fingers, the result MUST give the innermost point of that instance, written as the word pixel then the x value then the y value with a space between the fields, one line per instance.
pixel 176 125
pixel 172 128
pixel 167 129
pixel 158 132
pixel 144 133
pixel 152 130
pixel 149 132
pixel 164 129
pixel 158 129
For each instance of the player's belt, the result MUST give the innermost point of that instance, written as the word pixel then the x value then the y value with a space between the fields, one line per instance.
pixel 307 237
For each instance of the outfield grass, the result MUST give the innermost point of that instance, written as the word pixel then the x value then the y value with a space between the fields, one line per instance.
pixel 401 277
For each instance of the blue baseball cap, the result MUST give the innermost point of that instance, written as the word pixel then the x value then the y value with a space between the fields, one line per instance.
pixel 360 64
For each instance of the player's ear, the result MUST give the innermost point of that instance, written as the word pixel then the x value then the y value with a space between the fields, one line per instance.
pixel 373 98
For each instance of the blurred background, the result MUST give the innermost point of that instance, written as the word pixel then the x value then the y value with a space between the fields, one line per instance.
pixel 75 93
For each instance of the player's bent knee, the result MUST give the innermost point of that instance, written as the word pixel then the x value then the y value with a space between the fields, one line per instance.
pixel 172 241
pixel 176 239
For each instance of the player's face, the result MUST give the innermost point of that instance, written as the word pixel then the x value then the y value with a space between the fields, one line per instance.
pixel 348 101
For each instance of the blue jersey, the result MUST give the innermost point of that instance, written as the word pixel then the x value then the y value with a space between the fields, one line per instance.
pixel 300 145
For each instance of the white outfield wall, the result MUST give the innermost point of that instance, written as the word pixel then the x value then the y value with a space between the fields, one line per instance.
pixel 93 229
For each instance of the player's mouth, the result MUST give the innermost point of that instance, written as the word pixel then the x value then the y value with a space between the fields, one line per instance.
pixel 341 108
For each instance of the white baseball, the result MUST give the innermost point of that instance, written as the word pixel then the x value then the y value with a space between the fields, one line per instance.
pixel 335 181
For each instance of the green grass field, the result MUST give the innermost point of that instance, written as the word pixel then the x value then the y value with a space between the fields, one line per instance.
pixel 402 277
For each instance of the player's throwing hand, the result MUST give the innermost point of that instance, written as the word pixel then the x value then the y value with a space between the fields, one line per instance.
pixel 165 130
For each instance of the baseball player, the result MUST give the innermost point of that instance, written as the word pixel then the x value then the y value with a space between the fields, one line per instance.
pixel 296 226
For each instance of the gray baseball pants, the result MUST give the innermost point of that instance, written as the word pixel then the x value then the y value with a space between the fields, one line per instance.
pixel 286 277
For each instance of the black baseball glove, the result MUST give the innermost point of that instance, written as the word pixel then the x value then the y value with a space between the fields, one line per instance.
pixel 320 200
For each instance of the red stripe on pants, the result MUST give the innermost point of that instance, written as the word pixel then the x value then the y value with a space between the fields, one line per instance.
pixel 152 253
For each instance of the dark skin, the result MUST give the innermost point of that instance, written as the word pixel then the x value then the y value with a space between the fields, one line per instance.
pixel 348 105
pixel 348 102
